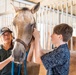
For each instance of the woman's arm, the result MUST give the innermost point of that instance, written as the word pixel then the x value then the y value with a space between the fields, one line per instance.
pixel 5 62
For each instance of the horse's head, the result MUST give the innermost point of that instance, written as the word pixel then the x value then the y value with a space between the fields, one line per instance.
pixel 24 23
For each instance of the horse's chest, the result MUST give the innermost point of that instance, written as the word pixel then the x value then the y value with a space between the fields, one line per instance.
pixel 32 68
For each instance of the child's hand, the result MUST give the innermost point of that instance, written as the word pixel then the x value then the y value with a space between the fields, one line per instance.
pixel 36 34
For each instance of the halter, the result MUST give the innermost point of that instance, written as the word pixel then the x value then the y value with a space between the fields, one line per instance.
pixel 23 43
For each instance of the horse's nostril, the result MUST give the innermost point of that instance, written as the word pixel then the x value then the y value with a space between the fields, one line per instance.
pixel 22 55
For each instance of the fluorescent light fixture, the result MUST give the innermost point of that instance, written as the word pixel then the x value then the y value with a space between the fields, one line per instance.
pixel 25 2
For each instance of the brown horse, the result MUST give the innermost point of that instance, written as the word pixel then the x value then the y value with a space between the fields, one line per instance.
pixel 24 23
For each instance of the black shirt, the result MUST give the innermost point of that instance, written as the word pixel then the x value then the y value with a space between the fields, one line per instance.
pixel 4 55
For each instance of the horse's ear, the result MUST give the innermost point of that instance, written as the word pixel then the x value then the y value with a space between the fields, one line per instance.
pixel 35 8
pixel 16 8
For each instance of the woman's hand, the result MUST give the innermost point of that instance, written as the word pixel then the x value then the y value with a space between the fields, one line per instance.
pixel 5 62
pixel 11 58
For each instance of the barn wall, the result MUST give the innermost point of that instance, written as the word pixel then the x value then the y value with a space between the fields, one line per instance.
pixel 46 19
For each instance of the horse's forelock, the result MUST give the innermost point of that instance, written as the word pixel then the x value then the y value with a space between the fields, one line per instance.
pixel 24 9
pixel 25 13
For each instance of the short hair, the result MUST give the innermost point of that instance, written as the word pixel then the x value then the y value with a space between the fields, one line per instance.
pixel 65 30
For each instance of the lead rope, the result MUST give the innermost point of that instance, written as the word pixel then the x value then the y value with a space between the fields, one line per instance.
pixel 12 70
pixel 19 66
pixel 25 62
pixel 19 69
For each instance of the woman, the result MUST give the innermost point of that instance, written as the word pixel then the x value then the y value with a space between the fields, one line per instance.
pixel 5 52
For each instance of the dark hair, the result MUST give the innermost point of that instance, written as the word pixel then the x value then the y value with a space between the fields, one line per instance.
pixel 5 29
pixel 65 30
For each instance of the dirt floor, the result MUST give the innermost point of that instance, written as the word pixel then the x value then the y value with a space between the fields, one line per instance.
pixel 73 63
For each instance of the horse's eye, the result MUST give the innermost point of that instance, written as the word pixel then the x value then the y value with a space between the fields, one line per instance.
pixel 32 25
pixel 14 23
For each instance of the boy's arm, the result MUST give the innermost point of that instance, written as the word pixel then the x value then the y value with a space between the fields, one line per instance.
pixel 37 45
pixel 54 58
pixel 5 62
pixel 30 54
pixel 38 50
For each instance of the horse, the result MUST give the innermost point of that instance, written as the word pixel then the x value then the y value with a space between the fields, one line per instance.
pixel 24 24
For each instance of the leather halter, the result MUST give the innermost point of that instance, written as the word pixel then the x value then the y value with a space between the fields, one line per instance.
pixel 23 43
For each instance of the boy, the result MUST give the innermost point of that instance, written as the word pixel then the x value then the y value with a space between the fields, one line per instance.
pixel 57 61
